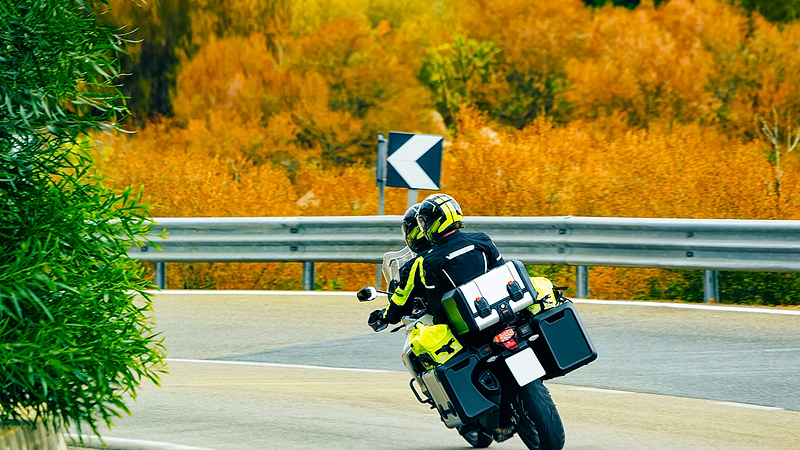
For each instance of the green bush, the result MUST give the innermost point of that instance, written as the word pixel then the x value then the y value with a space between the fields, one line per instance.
pixel 746 288
pixel 75 337
pixel 779 11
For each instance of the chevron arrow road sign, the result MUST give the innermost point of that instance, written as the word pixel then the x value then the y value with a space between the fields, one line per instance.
pixel 415 161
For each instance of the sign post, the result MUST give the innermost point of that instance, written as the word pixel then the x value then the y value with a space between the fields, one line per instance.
pixel 380 180
pixel 408 160
pixel 413 196
pixel 380 171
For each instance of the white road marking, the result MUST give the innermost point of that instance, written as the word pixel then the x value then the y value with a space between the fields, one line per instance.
pixel 738 405
pixel 264 364
pixel 604 391
pixel 112 440
pixel 745 405
pixel 692 306
pixel 204 292
pixel 782 350
pixel 754 309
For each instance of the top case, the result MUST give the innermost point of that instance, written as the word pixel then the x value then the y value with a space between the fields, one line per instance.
pixel 493 297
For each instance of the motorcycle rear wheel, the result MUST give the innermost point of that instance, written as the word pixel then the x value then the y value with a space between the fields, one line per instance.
pixel 477 439
pixel 539 426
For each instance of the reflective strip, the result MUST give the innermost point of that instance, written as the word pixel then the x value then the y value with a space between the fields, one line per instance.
pixel 413 236
pixel 400 296
pixel 434 228
pixel 460 252
pixel 448 277
pixel 485 263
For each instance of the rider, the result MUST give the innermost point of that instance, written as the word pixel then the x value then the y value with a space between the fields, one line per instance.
pixel 401 303
pixel 455 258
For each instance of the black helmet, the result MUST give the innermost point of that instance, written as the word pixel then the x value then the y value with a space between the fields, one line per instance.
pixel 414 238
pixel 438 215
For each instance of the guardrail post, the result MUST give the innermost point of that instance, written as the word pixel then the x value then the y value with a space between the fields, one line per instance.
pixel 582 281
pixel 160 279
pixel 711 286
pixel 308 276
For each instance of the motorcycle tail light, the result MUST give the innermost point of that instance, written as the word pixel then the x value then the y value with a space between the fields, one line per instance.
pixel 507 338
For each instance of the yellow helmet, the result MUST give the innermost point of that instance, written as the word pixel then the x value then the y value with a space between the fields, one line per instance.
pixel 438 215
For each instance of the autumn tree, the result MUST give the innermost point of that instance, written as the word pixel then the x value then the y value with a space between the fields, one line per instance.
pixel 536 40
pixel 556 107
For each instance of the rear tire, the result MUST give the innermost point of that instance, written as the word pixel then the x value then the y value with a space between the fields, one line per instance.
pixel 539 424
pixel 477 439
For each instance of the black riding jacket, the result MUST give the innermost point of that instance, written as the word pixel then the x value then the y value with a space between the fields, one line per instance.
pixel 456 259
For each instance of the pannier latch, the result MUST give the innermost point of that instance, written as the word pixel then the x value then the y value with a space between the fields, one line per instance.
pixel 514 291
pixel 482 306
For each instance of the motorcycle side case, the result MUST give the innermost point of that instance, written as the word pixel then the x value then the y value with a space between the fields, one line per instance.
pixel 563 344
pixel 490 298
pixel 453 390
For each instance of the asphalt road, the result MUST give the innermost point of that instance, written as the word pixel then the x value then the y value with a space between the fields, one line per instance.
pixel 666 378
pixel 729 356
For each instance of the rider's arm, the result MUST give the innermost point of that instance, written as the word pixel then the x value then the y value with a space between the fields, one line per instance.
pixel 400 302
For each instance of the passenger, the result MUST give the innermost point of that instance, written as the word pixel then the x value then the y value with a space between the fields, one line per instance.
pixel 406 297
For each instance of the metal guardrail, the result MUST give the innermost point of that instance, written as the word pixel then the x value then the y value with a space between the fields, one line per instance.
pixel 272 239
pixel 751 245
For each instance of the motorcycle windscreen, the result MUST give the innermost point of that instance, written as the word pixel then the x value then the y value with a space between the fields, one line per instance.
pixel 525 366
pixel 393 261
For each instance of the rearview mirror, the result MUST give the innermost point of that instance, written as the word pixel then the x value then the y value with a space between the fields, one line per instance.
pixel 367 294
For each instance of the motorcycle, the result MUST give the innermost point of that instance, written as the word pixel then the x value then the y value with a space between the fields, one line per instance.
pixel 485 380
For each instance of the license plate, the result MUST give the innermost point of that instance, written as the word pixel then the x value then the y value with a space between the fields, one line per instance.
pixel 525 366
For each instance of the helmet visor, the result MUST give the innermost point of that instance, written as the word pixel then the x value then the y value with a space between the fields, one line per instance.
pixel 421 223
pixel 427 227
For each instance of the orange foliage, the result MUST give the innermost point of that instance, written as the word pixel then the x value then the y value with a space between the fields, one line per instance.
pixel 200 175
pixel 324 99
pixel 535 36
pixel 547 170
pixel 613 283
pixel 688 61
pixel 652 113
pixel 649 62
pixel 193 179
pixel 544 170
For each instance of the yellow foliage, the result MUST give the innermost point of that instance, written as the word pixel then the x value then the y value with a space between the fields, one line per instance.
pixel 542 170
pixel 615 283
pixel 546 170
pixel 194 179
pixel 323 97
pixel 535 36
pixel 689 61
pixel 653 113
